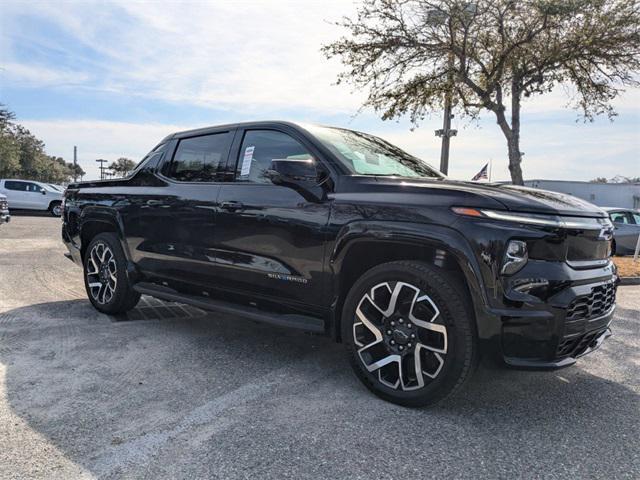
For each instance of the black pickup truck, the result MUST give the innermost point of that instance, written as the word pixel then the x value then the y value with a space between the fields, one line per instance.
pixel 339 232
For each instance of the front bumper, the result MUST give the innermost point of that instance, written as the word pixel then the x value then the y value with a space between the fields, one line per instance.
pixel 564 315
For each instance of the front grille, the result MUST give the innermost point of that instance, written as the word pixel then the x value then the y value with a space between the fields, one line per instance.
pixel 576 346
pixel 596 304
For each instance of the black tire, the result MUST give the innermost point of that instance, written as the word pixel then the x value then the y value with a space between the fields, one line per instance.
pixel 613 248
pixel 456 335
pixel 55 209
pixel 122 297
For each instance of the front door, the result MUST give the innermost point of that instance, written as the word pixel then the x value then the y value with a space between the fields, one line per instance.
pixel 270 237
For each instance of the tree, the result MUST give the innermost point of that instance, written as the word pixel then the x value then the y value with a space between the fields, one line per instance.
pixel 599 180
pixel 22 154
pixel 9 148
pixel 489 55
pixel 122 166
pixel 76 170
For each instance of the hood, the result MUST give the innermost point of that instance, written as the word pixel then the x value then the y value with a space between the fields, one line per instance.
pixel 509 197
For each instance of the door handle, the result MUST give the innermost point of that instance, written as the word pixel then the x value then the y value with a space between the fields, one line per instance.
pixel 232 206
pixel 154 203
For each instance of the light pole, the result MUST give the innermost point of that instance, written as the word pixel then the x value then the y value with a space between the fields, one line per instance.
pixel 440 17
pixel 446 132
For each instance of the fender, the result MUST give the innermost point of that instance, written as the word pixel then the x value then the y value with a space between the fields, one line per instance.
pixel 107 215
pixel 413 235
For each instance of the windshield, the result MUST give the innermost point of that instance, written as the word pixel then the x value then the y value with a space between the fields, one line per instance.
pixel 365 154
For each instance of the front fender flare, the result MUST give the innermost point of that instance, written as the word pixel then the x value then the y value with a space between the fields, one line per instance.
pixel 413 235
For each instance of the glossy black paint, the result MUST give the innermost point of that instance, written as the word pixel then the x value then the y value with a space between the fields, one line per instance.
pixel 290 248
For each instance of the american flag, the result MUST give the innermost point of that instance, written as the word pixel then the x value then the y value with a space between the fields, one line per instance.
pixel 482 174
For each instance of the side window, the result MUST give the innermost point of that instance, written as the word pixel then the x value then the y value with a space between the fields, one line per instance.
pixel 200 159
pixel 260 148
pixel 33 187
pixel 18 186
pixel 636 217
pixel 619 217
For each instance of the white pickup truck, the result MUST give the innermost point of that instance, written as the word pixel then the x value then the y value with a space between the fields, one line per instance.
pixel 31 195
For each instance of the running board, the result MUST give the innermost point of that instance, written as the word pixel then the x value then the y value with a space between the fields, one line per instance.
pixel 302 322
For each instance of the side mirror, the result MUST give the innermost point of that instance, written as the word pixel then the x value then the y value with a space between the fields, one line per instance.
pixel 44 192
pixel 290 171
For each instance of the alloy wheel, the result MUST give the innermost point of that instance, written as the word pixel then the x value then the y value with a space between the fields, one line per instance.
pixel 398 335
pixel 101 273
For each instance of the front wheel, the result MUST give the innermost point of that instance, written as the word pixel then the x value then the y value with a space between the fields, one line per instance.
pixel 409 333
pixel 105 276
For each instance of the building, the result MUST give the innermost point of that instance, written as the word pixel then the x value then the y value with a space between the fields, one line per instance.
pixel 622 195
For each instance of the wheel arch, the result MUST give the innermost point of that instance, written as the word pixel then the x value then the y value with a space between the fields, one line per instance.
pixel 53 202
pixel 94 221
pixel 365 245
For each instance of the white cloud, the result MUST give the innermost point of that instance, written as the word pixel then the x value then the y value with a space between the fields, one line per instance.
pixel 222 54
pixel 25 74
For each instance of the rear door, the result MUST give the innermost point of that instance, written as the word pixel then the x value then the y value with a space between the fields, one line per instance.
pixel 16 193
pixel 172 236
pixel 270 237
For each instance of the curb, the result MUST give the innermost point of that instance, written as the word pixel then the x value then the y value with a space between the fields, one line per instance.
pixel 629 280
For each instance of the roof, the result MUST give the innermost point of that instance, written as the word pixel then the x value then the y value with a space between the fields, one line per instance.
pixel 258 123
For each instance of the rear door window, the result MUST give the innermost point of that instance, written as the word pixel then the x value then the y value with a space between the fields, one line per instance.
pixel 17 186
pixel 200 159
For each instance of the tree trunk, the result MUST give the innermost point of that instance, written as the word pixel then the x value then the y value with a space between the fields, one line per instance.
pixel 515 159
pixel 515 155
pixel 512 132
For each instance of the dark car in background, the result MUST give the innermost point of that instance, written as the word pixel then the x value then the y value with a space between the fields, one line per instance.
pixel 339 232
pixel 626 223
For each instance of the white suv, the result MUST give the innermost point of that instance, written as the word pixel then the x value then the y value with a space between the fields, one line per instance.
pixel 30 195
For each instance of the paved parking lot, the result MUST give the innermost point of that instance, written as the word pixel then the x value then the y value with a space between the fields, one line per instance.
pixel 176 393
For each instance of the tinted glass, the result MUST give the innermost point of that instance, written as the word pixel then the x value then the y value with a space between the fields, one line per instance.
pixel 365 154
pixel 200 159
pixel 636 218
pixel 19 186
pixel 260 148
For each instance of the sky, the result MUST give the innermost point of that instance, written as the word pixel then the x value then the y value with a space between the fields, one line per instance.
pixel 116 77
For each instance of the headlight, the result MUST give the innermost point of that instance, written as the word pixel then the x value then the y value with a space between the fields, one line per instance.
pixel 578 223
pixel 515 257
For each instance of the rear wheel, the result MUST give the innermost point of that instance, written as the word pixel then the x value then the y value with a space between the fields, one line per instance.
pixel 105 276
pixel 409 334
pixel 55 209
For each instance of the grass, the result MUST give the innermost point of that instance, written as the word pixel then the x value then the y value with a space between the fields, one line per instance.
pixel 627 267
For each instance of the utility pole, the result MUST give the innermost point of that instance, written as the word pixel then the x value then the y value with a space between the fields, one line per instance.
pixel 75 163
pixel 102 167
pixel 446 132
